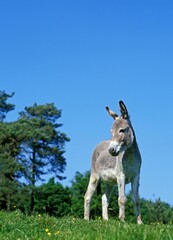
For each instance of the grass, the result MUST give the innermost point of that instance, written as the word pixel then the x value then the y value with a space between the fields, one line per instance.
pixel 17 226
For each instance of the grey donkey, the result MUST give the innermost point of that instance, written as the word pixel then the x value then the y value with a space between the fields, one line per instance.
pixel 116 161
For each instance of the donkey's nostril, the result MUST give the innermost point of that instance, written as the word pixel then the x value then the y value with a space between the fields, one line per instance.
pixel 112 151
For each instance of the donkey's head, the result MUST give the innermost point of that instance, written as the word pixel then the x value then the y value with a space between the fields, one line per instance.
pixel 122 132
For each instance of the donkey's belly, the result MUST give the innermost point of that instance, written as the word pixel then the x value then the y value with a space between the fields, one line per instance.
pixel 109 175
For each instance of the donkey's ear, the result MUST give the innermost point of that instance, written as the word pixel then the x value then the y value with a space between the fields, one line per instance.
pixel 111 113
pixel 123 110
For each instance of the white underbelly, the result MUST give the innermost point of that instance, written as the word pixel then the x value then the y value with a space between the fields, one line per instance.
pixel 109 175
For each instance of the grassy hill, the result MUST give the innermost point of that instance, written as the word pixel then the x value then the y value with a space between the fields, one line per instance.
pixel 17 226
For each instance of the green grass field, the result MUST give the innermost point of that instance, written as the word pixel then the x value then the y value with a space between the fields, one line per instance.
pixel 17 226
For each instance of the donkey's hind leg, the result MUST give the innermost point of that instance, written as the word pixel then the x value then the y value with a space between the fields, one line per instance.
pixel 105 201
pixel 136 200
pixel 93 182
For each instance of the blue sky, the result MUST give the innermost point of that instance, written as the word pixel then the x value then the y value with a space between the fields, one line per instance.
pixel 86 54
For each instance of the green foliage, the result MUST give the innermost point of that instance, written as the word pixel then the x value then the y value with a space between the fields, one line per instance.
pixel 156 212
pixel 52 198
pixel 30 147
pixel 15 226
pixel 22 199
pixel 78 188
pixel 43 147
pixel 4 106
pixel 10 169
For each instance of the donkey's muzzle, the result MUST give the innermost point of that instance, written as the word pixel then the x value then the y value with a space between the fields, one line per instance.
pixel 112 151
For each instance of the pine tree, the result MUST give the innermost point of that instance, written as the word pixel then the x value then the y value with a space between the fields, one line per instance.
pixel 10 168
pixel 43 148
pixel 4 106
pixel 8 152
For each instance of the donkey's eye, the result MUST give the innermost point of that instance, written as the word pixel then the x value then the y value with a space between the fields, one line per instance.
pixel 122 130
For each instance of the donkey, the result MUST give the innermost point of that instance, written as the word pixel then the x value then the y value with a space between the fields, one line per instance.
pixel 116 161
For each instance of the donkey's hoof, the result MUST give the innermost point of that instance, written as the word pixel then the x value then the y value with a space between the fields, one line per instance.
pixel 139 221
pixel 122 220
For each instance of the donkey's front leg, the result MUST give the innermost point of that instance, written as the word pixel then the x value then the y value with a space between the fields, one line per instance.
pixel 93 182
pixel 122 197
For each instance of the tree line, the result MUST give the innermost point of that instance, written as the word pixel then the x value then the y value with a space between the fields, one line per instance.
pixel 30 147
pixel 33 146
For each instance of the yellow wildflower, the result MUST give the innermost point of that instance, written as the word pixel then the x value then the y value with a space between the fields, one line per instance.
pixel 57 233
